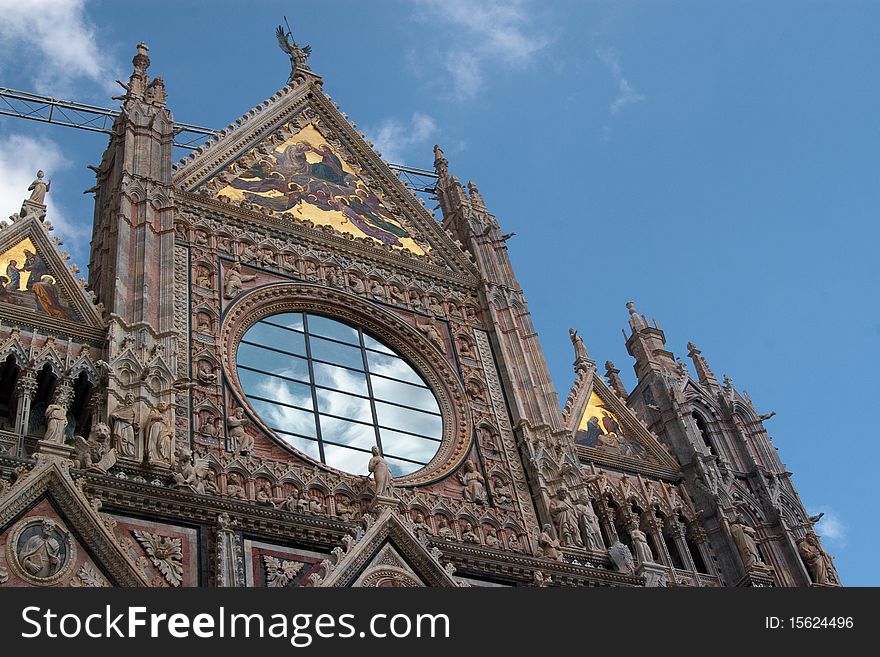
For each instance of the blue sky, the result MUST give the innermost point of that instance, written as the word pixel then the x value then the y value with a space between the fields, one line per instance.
pixel 716 162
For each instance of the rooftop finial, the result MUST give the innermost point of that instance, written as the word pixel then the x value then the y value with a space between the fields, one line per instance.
pixel 636 321
pixel 36 204
pixel 476 197
pixel 441 164
pixel 299 55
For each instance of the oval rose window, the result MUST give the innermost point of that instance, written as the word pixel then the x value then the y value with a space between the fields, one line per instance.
pixel 332 391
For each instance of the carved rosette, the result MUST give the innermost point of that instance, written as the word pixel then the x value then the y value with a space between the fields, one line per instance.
pixel 268 300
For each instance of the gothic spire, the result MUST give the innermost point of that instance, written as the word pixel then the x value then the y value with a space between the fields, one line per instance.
pixel 614 380
pixel 704 373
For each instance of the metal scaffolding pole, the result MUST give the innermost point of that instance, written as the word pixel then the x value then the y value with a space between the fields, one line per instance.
pixel 68 113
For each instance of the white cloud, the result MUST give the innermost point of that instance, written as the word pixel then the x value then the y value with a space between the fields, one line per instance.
pixel 479 33
pixel 831 528
pixel 20 158
pixel 394 138
pixel 626 94
pixel 64 42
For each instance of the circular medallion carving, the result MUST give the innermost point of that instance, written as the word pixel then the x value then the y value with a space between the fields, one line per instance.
pixel 395 332
pixel 40 551
pixel 388 577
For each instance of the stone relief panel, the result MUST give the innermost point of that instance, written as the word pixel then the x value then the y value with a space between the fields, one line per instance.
pixel 40 550
pixel 276 566
pixel 167 554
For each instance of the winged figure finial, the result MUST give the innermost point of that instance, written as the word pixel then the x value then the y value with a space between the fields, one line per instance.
pixel 299 55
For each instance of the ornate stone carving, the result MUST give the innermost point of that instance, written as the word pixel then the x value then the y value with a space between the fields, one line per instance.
pixel 280 572
pixel 235 281
pixel 96 453
pixel 242 441
pixel 744 538
pixel 381 483
pixel 622 558
pixel 89 577
pixel 565 517
pixel 165 553
pixel 159 434
pixel 548 546
pixel 124 428
pixel 816 559
pixel 474 483
pixel 56 423
pixel 40 551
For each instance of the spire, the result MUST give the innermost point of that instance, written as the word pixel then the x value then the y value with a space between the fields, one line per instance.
pixel 613 376
pixel 636 321
pixel 441 164
pixel 476 198
pixel 582 359
pixel 704 374
pixel 138 81
pixel 647 344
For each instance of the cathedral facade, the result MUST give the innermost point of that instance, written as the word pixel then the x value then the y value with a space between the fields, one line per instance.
pixel 284 371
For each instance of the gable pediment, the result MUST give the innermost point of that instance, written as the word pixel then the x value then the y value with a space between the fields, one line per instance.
pixel 297 160
pixel 37 288
pixel 50 558
pixel 607 432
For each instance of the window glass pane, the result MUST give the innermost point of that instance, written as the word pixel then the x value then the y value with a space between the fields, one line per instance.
pixel 276 370
pixel 281 339
pixel 347 406
pixel 293 321
pixel 409 420
pixel 395 368
pixel 338 378
pixel 338 354
pixel 284 418
pixel 330 328
pixel 308 447
pixel 347 433
pixel 347 460
pixel 409 447
pixel 404 394
pixel 272 362
pixel 400 468
pixel 371 343
pixel 275 389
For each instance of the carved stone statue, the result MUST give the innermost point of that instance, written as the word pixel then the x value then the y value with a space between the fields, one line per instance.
pixel 580 350
pixel 443 528
pixel 816 559
pixel 640 545
pixel 56 423
pixel 41 555
pixel 588 523
pixel 243 442
pixel 235 280
pixel 39 188
pixel 566 518
pixel 433 336
pixel 234 486
pixel 206 373
pixel 266 496
pixel 547 545
pixel 744 538
pixel 299 55
pixel 492 538
pixel 123 421
pixel 378 467
pixel 474 484
pixel 468 534
pixel 622 558
pixel 159 436
pixel 96 453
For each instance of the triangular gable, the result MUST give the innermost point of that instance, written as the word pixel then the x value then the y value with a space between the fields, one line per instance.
pixel 297 158
pixel 606 431
pixel 36 286
pixel 388 554
pixel 50 480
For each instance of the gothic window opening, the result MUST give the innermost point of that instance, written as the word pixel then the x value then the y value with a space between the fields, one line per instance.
pixel 46 381
pixel 333 391
pixel 704 434
pixel 79 416
pixel 8 376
